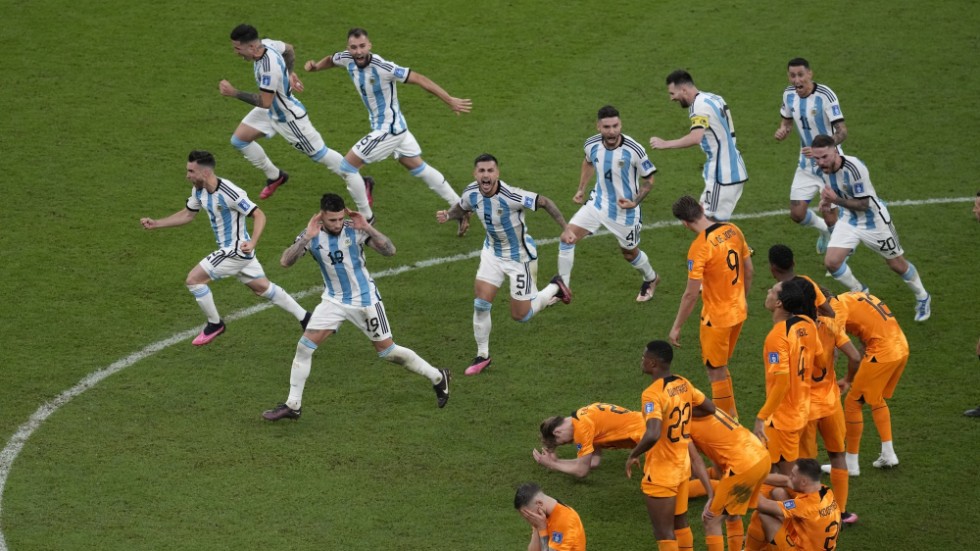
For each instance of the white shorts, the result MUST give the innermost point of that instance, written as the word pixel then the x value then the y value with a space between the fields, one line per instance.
pixel 522 274
pixel 719 200
pixel 883 239
pixel 379 145
pixel 231 262
pixel 806 185
pixel 588 218
pixel 299 132
pixel 371 320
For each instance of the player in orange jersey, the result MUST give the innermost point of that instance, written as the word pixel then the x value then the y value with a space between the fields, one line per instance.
pixel 554 525
pixel 668 404
pixel 744 462
pixel 783 268
pixel 788 356
pixel 808 521
pixel 591 428
pixel 719 266
pixel 886 351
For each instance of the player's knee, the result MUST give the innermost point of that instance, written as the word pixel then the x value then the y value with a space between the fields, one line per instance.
pixel 238 143
pixel 197 289
pixel 834 266
pixel 347 167
pixel 481 305
pixel 523 318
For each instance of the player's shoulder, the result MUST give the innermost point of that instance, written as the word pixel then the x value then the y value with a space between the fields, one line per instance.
pixel 633 145
pixel 512 192
pixel 472 186
pixel 382 63
pixel 227 187
pixel 854 167
pixel 342 58
pixel 593 140
pixel 825 91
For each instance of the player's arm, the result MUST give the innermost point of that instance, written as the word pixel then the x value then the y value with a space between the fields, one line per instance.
pixel 298 248
pixel 641 193
pixel 770 507
pixel 587 174
pixel 178 218
pixel 458 105
pixel 688 301
pixel 828 195
pixel 258 226
pixel 325 63
pixel 785 127
pixel 261 98
pixel 579 467
pixel 551 208
pixel 840 132
pixel 748 270
pixel 650 438
pixel 539 529
pixel 853 363
pixel 699 471
pixel 692 138
pixel 774 397
pixel 376 240
pixel 455 212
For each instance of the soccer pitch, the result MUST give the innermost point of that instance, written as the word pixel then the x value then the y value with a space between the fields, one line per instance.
pixel 119 434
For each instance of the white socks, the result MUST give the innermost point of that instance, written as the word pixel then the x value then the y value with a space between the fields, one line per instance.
pixel 411 361
pixel 284 300
pixel 481 326
pixel 436 182
pixel 300 372
pixel 206 301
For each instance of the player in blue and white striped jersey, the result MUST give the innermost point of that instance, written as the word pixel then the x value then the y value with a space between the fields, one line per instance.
pixel 376 80
pixel 277 111
pixel 814 109
pixel 228 207
pixel 508 251
pixel 712 127
pixel 864 219
pixel 335 237
pixel 618 163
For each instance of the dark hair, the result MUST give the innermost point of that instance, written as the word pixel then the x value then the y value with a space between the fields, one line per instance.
pixel 687 209
pixel 809 468
pixel 201 157
pixel 798 62
pixel 781 257
pixel 244 33
pixel 607 112
pixel 331 202
pixel 827 292
pixel 680 77
pixel 791 295
pixel 485 158
pixel 661 350
pixel 526 492
pixel 548 428
pixel 809 297
pixel 822 140
pixel 357 32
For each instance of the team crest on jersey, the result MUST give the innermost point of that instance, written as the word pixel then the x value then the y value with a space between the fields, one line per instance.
pixel 243 204
pixel 347 241
pixel 528 202
pixel 813 112
pixel 620 163
pixel 791 504
pixel 774 357
pixel 400 73
pixel 557 537
pixel 500 212
pixel 835 110
pixel 859 188
pixel 648 407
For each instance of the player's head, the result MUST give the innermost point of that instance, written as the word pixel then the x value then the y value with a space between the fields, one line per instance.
pixel 359 46
pixel 528 496
pixel 824 152
pixel 680 87
pixel 800 76
pixel 200 167
pixel 245 39
pixel 805 476
pixel 687 210
pixel 486 172
pixel 781 261
pixel 609 125
pixel 332 212
pixel 657 357
pixel 555 431
pixel 809 307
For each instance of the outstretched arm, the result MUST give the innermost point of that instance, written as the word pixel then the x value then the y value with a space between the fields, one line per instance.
pixel 579 466
pixel 455 212
pixel 551 208
pixel 456 104
pixel 178 218
pixel 258 99
pixel 692 138
pixel 325 63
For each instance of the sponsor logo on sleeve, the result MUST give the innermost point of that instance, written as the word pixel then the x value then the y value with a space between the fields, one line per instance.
pixel 244 205
pixel 557 537
pixel 400 72
pixel 835 110
pixel 791 504
pixel 690 265
pixel 647 165
pixel 578 446
pixel 648 407
pixel 859 188
pixel 774 357
pixel 266 80
pixel 528 202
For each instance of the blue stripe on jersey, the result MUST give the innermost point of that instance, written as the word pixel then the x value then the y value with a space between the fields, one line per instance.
pixel 225 223
pixel 604 184
pixel 379 99
pixel 818 107
pixel 511 233
pixel 628 174
pixel 315 248
pixel 356 255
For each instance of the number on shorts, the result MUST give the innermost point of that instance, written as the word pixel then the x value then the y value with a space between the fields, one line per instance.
pixel 887 245
pixel 683 417
pixel 831 542
pixel 879 306
pixel 521 283
pixel 733 264
pixel 373 325
pixel 336 257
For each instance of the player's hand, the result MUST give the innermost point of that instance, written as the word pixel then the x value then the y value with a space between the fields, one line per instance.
pixel 295 83
pixel 358 222
pixel 579 197
pixel 674 337
pixel 630 461
pixel 760 430
pixel 309 66
pixel 314 225
pixel 828 195
pixel 843 385
pixel 658 143
pixel 248 247
pixel 625 203
pixel 545 457
pixel 807 152
pixel 707 515
pixel 535 518
pixel 226 88
pixel 460 106
pixel 781 133
pixel 148 223
pixel 442 216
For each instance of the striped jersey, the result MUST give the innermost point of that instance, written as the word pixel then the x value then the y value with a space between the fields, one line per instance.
pixel 503 217
pixel 341 259
pixel 377 85
pixel 852 181
pixel 813 115
pixel 724 165
pixel 618 173
pixel 227 209
pixel 272 76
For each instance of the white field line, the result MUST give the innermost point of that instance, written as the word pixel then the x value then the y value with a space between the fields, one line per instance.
pixel 24 432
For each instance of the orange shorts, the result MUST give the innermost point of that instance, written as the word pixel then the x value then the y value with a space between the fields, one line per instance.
pixel 782 542
pixel 876 381
pixel 718 344
pixel 784 445
pixel 652 489
pixel 736 493
pixel 831 429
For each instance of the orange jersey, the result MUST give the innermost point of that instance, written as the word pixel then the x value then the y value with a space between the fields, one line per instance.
pixel 715 258
pixel 671 400
pixel 821 298
pixel 601 425
pixel 789 351
pixel 824 392
pixel 729 445
pixel 869 319
pixel 565 531
pixel 812 520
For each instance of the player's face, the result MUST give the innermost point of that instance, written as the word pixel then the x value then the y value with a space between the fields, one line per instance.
pixel 333 222
pixel 360 49
pixel 801 78
pixel 564 432
pixel 678 94
pixel 246 50
pixel 825 157
pixel 487 177
pixel 647 364
pixel 772 295
pixel 196 174
pixel 611 129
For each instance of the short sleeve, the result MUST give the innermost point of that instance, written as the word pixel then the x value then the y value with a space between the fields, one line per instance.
pixel 777 353
pixel 645 166
pixel 583 438
pixel 695 259
pixel 784 111
pixel 652 407
pixel 700 115
pixel 832 111
pixel 697 397
pixel 193 203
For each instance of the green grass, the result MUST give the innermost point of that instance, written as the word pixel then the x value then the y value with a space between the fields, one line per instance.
pixel 105 100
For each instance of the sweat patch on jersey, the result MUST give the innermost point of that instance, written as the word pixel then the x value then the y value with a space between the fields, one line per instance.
pixel 774 357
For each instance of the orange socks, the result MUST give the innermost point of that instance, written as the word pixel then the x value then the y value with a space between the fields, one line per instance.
pixel 839 481
pixel 667 545
pixel 685 539
pixel 723 395
pixel 855 425
pixel 717 543
pixel 883 422
pixel 736 534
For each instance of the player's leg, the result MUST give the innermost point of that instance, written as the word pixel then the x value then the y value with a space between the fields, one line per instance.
pixel 661 513
pixel 585 222
pixel 256 125
pixel 832 429
pixel 716 345
pixel 409 154
pixel 863 390
pixel 374 324
pixel 842 243
pixel 722 201
pixel 805 186
pixel 197 283
pixel 628 237
pixel 489 278
pixel 253 277
pixel 904 268
pixel 891 372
